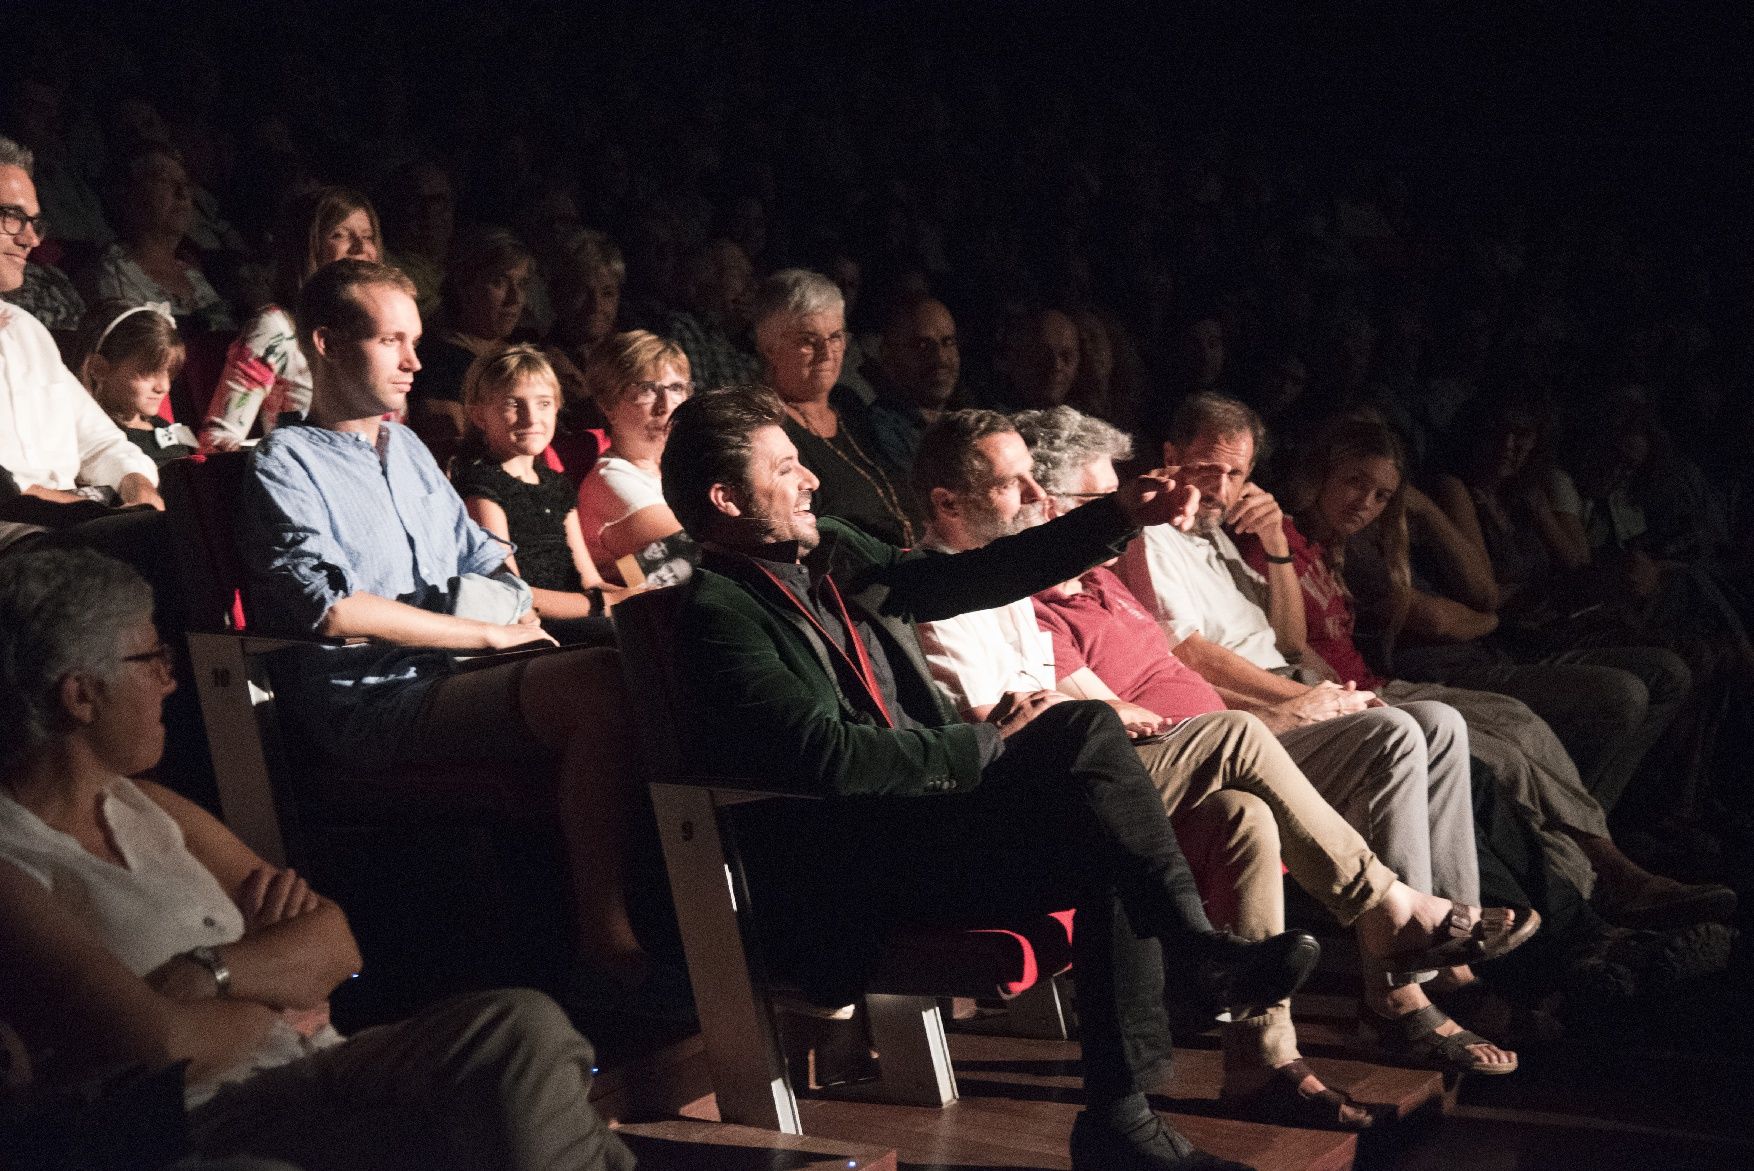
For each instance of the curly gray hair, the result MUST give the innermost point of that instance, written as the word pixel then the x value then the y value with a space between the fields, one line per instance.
pixel 13 155
pixel 794 292
pixel 60 611
pixel 1065 441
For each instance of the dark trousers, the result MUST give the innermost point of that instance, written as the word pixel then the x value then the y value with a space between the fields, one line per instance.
pixel 1514 872
pixel 1065 817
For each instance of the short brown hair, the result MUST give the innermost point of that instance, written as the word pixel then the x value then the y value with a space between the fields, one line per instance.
pixel 621 358
pixel 330 297
pixel 711 436
pixel 481 256
pixel 947 458
pixel 505 367
pixel 1216 414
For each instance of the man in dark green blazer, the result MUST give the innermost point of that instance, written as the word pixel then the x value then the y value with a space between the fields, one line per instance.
pixel 797 664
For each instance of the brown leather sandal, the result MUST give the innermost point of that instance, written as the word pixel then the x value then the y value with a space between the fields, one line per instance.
pixel 1413 1036
pixel 1281 1100
pixel 1468 935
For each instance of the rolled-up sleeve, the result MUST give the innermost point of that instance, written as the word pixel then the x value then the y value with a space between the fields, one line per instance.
pixel 296 569
pixel 480 551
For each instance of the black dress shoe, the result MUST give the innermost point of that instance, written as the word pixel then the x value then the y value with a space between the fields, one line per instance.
pixel 1152 1145
pixel 1223 976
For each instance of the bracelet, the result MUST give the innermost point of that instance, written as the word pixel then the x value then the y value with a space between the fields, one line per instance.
pixel 209 958
pixel 1272 560
pixel 598 603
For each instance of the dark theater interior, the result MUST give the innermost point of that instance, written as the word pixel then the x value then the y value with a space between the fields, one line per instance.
pixel 963 586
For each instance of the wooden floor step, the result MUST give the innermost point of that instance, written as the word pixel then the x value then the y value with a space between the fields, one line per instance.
pixel 687 1145
pixel 1019 1099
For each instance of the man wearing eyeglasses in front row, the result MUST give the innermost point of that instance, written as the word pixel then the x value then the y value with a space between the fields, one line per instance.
pixel 57 447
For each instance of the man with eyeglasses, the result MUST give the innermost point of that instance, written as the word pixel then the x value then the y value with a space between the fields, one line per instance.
pixel 915 378
pixel 57 446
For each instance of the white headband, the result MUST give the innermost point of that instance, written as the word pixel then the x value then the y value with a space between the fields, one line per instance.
pixel 161 308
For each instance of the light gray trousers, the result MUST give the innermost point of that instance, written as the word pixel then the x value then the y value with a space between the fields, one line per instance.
pixel 493 1079
pixel 1399 776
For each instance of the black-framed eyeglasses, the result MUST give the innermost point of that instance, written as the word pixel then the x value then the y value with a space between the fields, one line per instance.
pixel 646 393
pixel 1082 495
pixel 14 220
pixel 159 658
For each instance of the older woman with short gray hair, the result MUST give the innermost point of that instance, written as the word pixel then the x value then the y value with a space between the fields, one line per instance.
pixel 140 931
pixel 800 329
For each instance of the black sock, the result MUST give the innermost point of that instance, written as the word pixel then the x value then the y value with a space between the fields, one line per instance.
pixel 1124 1115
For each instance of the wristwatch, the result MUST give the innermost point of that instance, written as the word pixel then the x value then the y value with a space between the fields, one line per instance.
pixel 209 958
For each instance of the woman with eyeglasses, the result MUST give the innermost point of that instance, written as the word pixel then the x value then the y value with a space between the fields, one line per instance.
pixel 136 930
pixel 637 379
pixel 801 334
pixel 153 201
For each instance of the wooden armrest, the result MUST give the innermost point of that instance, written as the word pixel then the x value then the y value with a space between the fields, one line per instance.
pixel 256 644
pixel 734 790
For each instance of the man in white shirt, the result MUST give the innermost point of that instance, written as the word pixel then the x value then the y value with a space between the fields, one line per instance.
pixel 1224 780
pixel 1199 586
pixel 54 438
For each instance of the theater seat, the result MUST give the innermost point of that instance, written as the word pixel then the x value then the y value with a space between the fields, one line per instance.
pixel 294 804
pixel 718 918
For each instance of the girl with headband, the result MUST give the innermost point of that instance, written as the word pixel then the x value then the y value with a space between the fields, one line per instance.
pixel 127 356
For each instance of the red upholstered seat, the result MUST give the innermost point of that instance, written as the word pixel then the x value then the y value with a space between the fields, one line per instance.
pixel 1002 959
pixel 975 961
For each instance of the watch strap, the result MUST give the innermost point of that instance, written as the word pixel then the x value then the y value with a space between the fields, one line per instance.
pixel 210 959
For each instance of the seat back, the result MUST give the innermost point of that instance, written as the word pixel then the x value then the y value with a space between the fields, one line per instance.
pixel 203 362
pixel 201 494
pixel 645 626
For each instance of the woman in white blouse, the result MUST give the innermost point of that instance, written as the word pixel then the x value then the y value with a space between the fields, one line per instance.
pixel 637 379
pixel 154 208
pixel 137 930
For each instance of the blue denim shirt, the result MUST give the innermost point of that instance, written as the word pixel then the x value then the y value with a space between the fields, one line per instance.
pixel 325 514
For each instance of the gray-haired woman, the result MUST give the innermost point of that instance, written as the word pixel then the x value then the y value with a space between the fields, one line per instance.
pixel 801 334
pixel 137 930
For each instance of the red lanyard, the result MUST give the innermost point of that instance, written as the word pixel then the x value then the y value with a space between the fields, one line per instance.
pixel 860 660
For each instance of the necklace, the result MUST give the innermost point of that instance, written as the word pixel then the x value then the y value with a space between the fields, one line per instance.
pixel 865 467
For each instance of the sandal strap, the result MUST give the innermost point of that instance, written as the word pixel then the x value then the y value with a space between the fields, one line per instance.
pixel 1411 1027
pixel 1454 1047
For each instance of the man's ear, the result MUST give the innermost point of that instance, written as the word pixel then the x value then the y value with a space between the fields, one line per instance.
pixel 724 498
pixel 1051 507
pixel 944 501
pixel 320 341
pixel 78 694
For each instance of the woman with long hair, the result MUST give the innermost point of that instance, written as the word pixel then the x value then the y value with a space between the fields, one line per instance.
pixel 265 373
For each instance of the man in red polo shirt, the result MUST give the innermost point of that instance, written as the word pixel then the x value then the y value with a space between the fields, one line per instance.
pixel 976 476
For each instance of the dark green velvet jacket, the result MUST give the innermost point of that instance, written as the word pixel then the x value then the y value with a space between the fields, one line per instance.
pixel 760 697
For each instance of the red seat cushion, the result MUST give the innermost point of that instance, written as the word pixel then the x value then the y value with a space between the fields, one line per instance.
pixel 976 961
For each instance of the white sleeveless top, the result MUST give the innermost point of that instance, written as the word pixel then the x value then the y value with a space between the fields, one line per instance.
pixel 160 905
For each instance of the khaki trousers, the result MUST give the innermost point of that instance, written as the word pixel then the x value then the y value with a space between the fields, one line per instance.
pixel 1237 802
